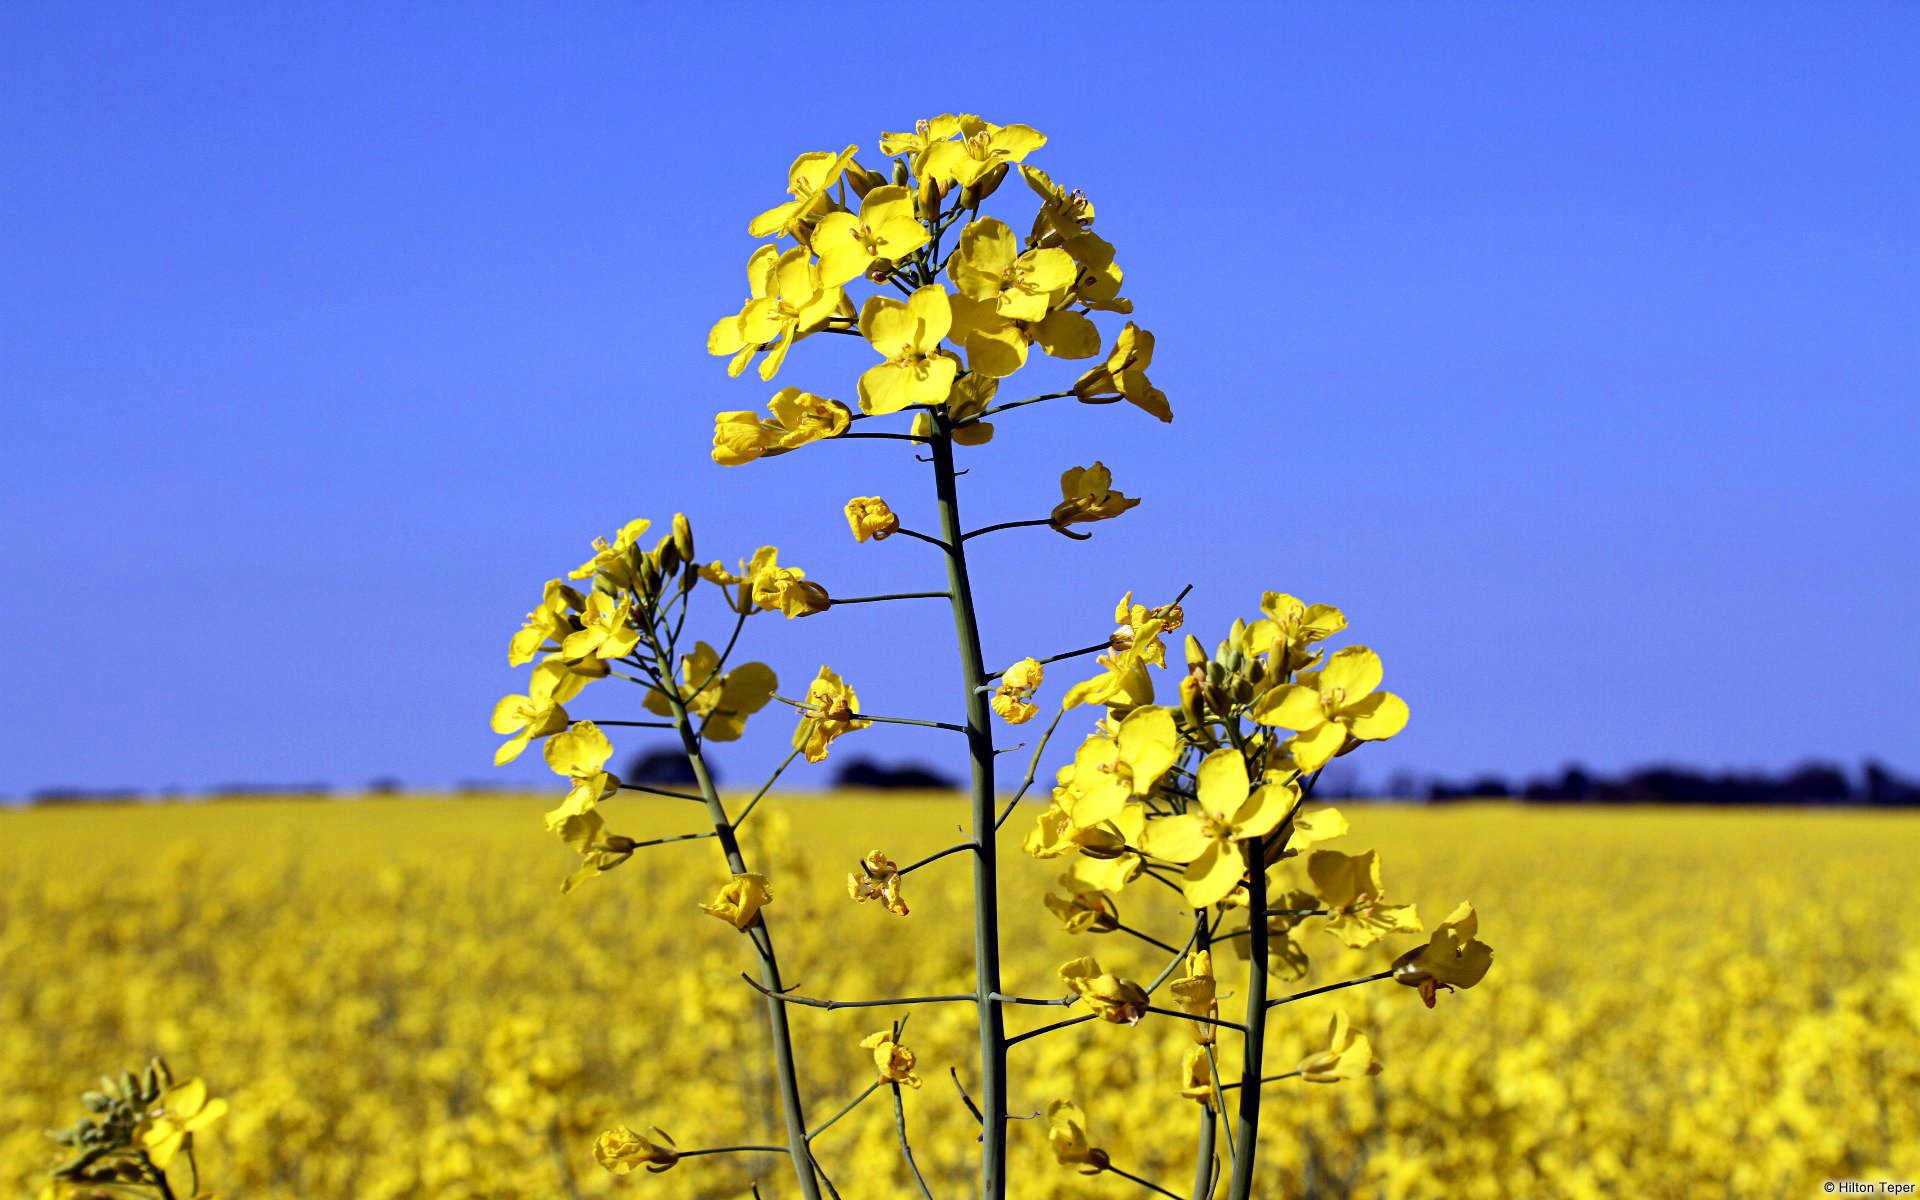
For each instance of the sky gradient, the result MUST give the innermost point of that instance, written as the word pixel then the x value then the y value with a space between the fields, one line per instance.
pixel 1572 351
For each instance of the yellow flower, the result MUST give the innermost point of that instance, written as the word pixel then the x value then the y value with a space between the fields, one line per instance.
pixel 925 133
pixel 538 713
pixel 1453 957
pixel 798 418
pixel 869 517
pixel 1083 909
pixel 831 709
pixel 606 629
pixel 551 622
pixel 580 754
pixel 586 832
pixel 1121 1001
pixel 1349 1055
pixel 1349 886
pixel 807 182
pixel 996 343
pixel 989 266
pixel 740 900
pixel 784 590
pixel 891 1059
pixel 182 1111
pixel 886 229
pixel 620 1150
pixel 1123 683
pixel 1124 375
pixel 907 335
pixel 1208 841
pixel 1198 993
pixel 787 301
pixel 1067 1137
pixel 878 879
pixel 1327 706
pixel 1108 771
pixel 1289 629
pixel 965 404
pixel 725 701
pixel 1196 1076
pixel 1087 495
pixel 982 146
pixel 1141 627
pixel 740 599
pixel 1017 684
pixel 614 560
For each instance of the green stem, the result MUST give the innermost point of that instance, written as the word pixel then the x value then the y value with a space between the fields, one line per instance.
pixel 1247 1134
pixel 891 596
pixel 1145 1183
pixel 986 867
pixel 906 1148
pixel 851 1105
pixel 782 1036
pixel 1209 1119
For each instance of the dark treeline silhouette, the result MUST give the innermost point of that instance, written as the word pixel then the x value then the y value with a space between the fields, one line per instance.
pixel 864 774
pixel 1874 785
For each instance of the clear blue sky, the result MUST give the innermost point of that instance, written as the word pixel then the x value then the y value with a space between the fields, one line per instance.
pixel 1573 350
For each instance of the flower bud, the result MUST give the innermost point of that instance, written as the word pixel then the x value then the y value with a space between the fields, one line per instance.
pixel 985 186
pixel 683 537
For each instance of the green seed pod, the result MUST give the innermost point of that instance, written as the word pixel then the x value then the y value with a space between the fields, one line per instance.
pixel 683 537
pixel 900 173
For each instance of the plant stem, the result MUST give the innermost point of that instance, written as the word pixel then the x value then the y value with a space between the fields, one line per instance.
pixel 986 870
pixel 851 1105
pixel 782 1036
pixel 1246 1141
pixel 906 1149
pixel 1209 1118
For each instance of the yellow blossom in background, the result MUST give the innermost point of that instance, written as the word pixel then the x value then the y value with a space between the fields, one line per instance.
pixel 1067 1138
pixel 887 229
pixel 1012 700
pixel 740 900
pixel 799 418
pixel 787 301
pixel 1088 495
pixel 183 1111
pixel 620 1150
pixel 893 1061
pixel 1111 998
pixel 1328 706
pixel 878 879
pixel 869 517
pixel 1208 841
pixel 1453 957
pixel 831 709
pixel 1349 886
pixel 907 335
pixel 583 829
pixel 1349 1055
pixel 1124 375
pixel 808 180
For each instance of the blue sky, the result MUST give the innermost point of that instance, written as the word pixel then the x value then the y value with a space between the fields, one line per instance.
pixel 1572 350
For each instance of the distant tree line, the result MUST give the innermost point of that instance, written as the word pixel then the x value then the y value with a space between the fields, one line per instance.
pixel 1874 785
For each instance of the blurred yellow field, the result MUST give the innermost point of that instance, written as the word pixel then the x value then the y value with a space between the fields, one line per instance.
pixel 397 1001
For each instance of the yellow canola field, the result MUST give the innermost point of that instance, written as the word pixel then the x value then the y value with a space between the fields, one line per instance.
pixel 398 1002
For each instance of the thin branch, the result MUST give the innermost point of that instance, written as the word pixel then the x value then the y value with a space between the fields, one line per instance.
pixel 654 791
pixel 1145 1183
pixel 748 810
pixel 634 724
pixel 1013 404
pixel 974 533
pixel 1268 1079
pixel 733 1150
pixel 1080 653
pixel 1187 1016
pixel 816 1002
pixel 679 837
pixel 964 1098
pixel 1147 938
pixel 1061 1003
pixel 937 856
pixel 1331 987
pixel 836 601
pixel 891 437
pixel 906 1149
pixel 1033 767
pixel 851 1105
pixel 860 716
pixel 1033 1033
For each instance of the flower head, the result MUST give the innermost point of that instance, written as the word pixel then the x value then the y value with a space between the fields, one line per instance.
pixel 831 709
pixel 1196 1075
pixel 907 335
pixel 1017 684
pixel 787 301
pixel 1349 886
pixel 1124 375
pixel 181 1111
pixel 1111 998
pixel 1198 993
pixel 1230 810
pixel 1453 957
pixel 886 230
pixel 1088 495
pixel 869 517
pixel 808 181
pixel 1328 706
pixel 878 879
pixel 1067 1137
pixel 1349 1055
pixel 620 1150
pixel 798 418
pixel 740 900
pixel 891 1059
